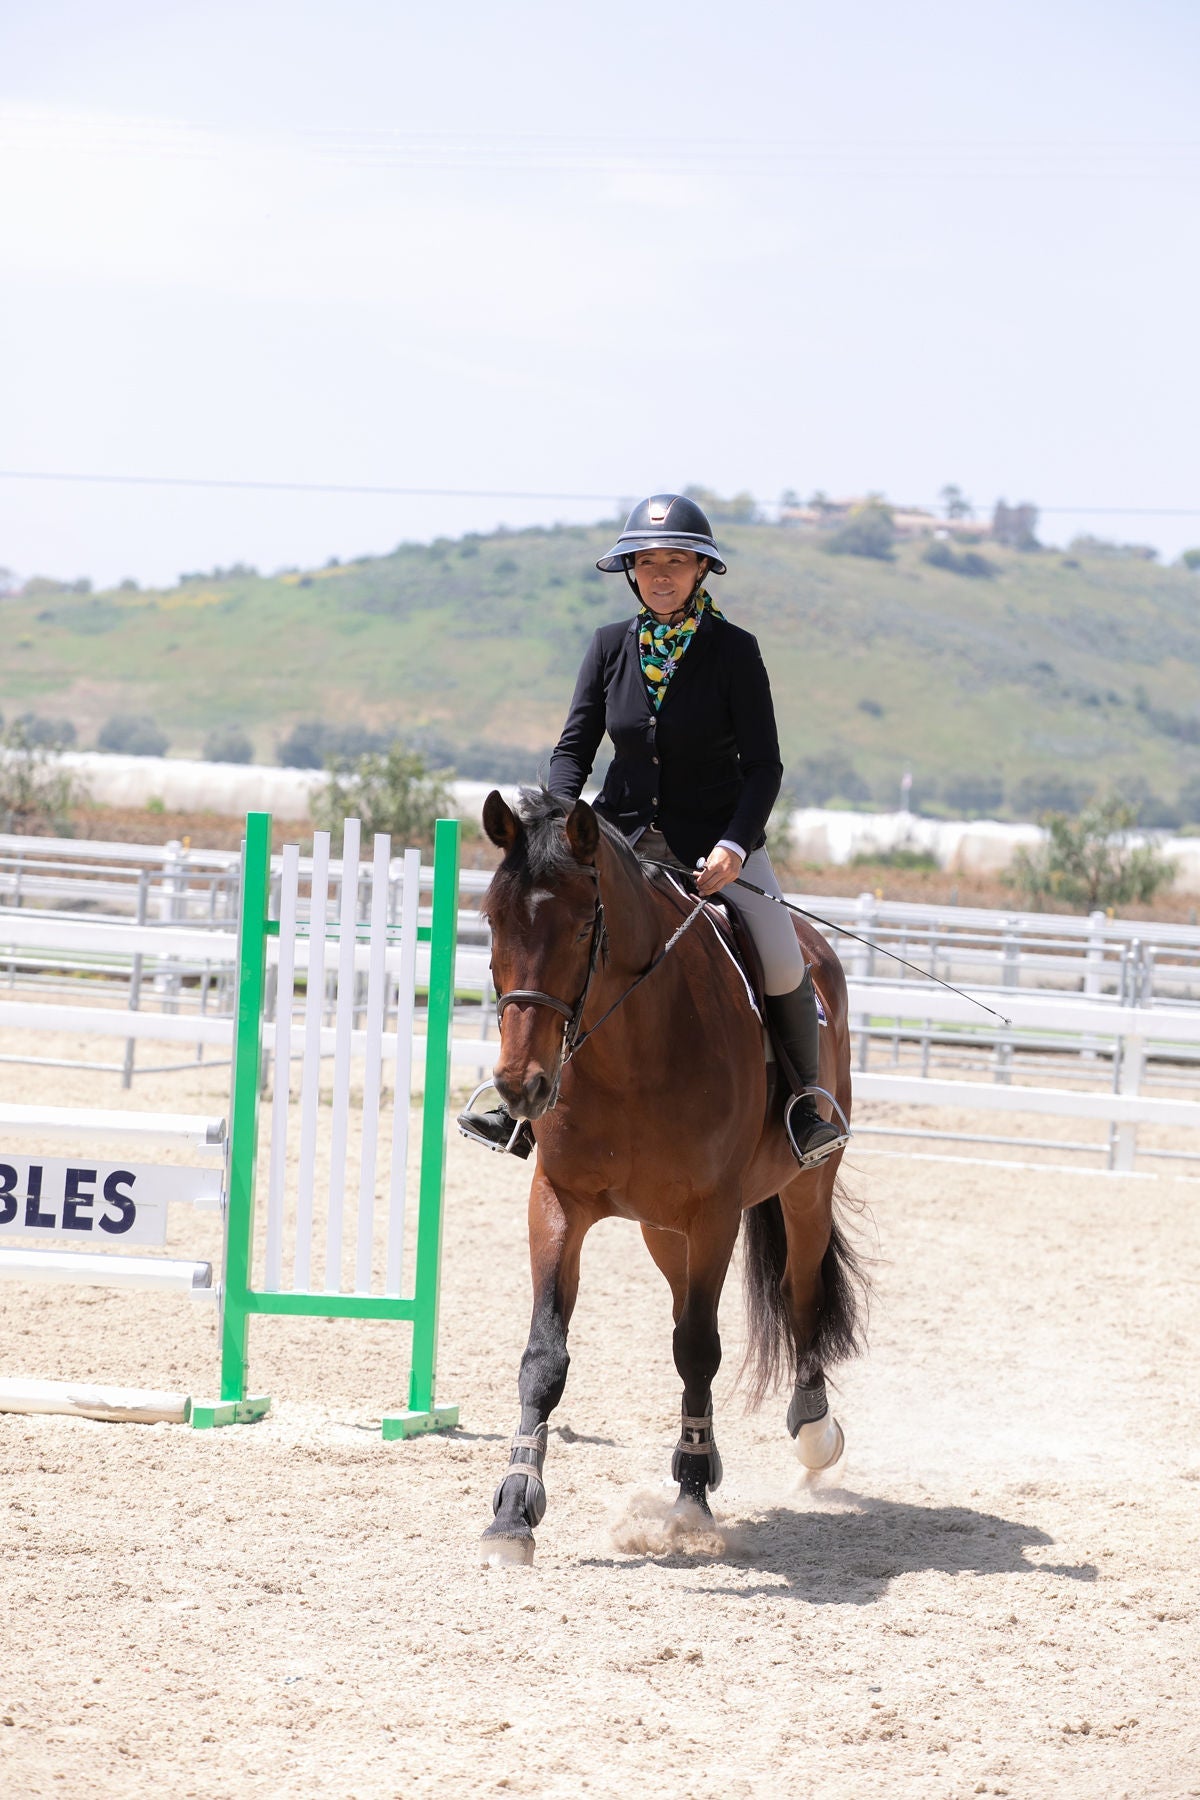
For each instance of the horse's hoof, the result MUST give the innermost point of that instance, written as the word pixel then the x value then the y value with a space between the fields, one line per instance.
pixel 508 1552
pixel 691 1506
pixel 820 1443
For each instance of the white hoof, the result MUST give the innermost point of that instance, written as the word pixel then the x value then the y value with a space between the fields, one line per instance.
pixel 508 1553
pixel 820 1443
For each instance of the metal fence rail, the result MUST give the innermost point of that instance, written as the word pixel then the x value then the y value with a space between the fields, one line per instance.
pixel 136 944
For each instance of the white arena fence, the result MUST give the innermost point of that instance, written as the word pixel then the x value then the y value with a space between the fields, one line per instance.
pixel 138 946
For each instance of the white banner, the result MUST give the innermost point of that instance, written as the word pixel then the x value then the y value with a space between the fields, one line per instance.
pixel 95 1203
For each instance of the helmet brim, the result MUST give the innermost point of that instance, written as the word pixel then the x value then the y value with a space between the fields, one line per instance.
pixel 627 547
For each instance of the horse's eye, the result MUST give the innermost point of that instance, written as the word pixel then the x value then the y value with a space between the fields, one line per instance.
pixel 580 935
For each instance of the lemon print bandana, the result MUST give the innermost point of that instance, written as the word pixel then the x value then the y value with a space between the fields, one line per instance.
pixel 661 646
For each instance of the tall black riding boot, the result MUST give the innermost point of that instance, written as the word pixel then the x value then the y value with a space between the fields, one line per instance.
pixel 794 1020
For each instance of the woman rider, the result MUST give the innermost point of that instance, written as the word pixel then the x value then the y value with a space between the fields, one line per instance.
pixel 684 696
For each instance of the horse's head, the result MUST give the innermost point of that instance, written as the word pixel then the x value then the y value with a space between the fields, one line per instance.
pixel 544 911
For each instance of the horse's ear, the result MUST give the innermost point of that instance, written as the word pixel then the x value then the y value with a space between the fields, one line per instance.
pixel 500 822
pixel 583 833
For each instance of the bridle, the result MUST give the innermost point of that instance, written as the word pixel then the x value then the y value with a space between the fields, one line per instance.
pixel 573 1039
pixel 572 1014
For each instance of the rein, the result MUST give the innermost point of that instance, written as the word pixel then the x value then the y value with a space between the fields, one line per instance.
pixel 572 1039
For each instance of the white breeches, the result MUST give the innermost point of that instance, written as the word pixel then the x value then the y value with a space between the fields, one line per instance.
pixel 769 925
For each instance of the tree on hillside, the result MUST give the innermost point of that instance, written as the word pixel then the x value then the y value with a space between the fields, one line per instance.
pixel 1191 559
pixel 739 509
pixel 1016 526
pixel 974 796
pixel 942 555
pixel 228 744
pixel 868 531
pixel 1050 792
pixel 955 504
pixel 132 734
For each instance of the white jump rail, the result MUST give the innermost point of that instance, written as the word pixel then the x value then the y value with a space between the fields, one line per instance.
pixel 100 1268
pixel 74 1124
pixel 87 1195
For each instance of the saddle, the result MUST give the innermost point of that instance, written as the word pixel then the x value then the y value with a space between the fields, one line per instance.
pixel 679 885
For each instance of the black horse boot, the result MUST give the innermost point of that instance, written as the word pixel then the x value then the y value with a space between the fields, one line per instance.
pixel 498 1130
pixel 794 1021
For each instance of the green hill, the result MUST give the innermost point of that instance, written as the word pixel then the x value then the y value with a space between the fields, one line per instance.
pixel 1055 670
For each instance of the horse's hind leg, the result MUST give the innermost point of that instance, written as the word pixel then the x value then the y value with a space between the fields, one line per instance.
pixel 817 1290
pixel 696 1464
pixel 555 1237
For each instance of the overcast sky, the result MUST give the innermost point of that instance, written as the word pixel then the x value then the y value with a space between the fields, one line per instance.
pixel 588 250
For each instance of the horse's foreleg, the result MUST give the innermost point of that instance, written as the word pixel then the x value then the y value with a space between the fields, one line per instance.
pixel 696 1464
pixel 555 1236
pixel 670 1254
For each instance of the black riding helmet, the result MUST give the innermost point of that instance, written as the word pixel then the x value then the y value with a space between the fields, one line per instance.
pixel 663 522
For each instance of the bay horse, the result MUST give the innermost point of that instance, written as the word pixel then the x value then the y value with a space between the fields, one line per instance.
pixel 664 1115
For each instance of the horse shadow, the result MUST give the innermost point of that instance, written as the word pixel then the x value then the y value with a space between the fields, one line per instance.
pixel 850 1554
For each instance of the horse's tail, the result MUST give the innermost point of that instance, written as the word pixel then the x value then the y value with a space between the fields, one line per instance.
pixel 841 1322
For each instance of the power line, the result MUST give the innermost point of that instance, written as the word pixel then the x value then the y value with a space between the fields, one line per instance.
pixel 296 487
pixel 387 490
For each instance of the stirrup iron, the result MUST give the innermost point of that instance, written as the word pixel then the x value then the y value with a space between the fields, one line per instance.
pixel 812 1159
pixel 474 1137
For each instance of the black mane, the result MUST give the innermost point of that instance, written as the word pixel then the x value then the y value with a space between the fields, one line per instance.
pixel 541 854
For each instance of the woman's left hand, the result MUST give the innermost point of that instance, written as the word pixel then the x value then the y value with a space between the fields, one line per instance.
pixel 720 868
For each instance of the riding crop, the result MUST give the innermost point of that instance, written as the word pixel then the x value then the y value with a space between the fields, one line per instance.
pixel 816 919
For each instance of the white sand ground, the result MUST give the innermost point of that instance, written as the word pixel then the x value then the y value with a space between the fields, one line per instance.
pixel 999 1596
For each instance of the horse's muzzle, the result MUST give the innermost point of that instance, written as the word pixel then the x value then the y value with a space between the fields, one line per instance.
pixel 526 1098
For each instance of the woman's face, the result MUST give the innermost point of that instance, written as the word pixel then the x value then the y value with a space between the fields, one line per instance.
pixel 667 579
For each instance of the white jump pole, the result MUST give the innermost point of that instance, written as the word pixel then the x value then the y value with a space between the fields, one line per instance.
pixel 140 1406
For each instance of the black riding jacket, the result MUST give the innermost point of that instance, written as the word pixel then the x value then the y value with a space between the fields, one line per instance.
pixel 704 767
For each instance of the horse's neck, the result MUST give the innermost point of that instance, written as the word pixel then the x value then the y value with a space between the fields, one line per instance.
pixel 632 917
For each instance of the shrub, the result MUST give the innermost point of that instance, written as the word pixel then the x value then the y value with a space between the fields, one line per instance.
pixel 132 734
pixel 49 734
pixel 1096 546
pixel 228 744
pixel 868 531
pixel 392 790
pixel 36 794
pixel 1090 862
pixel 1191 559
pixel 940 554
